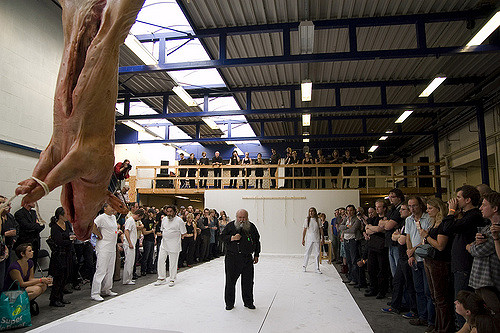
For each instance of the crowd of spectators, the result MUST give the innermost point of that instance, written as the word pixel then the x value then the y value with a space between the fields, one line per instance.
pixel 441 260
pixel 253 170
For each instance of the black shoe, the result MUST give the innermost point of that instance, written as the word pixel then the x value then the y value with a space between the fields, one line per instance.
pixel 56 304
pixel 380 296
pixel 371 294
pixel 229 307
pixel 346 281
pixel 34 309
pixel 67 291
pixel 250 306
pixel 151 272
pixel 143 273
pixel 135 276
pixel 65 302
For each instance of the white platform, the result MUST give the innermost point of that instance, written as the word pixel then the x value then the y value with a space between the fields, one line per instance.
pixel 286 298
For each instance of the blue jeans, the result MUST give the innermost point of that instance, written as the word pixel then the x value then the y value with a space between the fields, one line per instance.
pixel 352 257
pixel 393 258
pixel 425 306
pixel 460 282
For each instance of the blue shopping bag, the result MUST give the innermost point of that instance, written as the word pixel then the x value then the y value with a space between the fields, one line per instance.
pixel 14 309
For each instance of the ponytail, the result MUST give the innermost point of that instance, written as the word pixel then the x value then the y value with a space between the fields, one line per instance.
pixel 53 220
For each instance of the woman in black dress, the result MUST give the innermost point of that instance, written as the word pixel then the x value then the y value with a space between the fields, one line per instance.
pixel 246 172
pixel 61 240
pixel 259 172
pixel 235 160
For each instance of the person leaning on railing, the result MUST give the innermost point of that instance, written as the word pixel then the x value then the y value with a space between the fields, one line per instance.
pixel 259 172
pixel 203 171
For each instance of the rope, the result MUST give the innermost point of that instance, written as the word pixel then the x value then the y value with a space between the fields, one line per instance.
pixel 43 185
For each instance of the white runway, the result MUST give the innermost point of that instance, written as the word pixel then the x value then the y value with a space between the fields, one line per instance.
pixel 286 298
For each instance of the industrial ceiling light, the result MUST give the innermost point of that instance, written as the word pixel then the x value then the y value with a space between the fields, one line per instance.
pixel 133 125
pixel 432 86
pixel 403 117
pixel 181 197
pixel 306 90
pixel 305 140
pixel 135 46
pixel 211 123
pixel 389 131
pixel 373 148
pixel 383 138
pixel 306 36
pixel 485 31
pixel 306 119
pixel 179 91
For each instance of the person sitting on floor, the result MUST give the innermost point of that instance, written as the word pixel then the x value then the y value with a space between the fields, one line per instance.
pixel 22 272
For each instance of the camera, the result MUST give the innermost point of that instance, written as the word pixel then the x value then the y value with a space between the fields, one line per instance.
pixel 129 166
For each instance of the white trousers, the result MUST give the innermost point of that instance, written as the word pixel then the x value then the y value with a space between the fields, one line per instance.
pixel 173 258
pixel 128 267
pixel 314 248
pixel 103 277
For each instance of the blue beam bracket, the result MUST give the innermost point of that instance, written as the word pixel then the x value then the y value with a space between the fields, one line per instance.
pixel 165 104
pixel 338 100
pixel 162 59
pixel 222 46
pixel 286 41
pixel 126 106
pixel 421 38
pixel 262 128
pixel 249 100
pixel 383 95
pixel 353 41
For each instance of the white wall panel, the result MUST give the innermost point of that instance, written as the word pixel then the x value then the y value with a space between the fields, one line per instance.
pixel 280 220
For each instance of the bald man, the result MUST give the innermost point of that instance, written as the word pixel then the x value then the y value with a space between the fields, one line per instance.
pixel 242 251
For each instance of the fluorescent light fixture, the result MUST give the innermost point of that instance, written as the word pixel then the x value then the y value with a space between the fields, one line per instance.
pixel 305 140
pixel 211 123
pixel 432 86
pixel 389 131
pixel 135 46
pixel 306 119
pixel 179 91
pixel 383 138
pixel 485 31
pixel 305 133
pixel 306 90
pixel 373 148
pixel 403 117
pixel 306 37
pixel 181 197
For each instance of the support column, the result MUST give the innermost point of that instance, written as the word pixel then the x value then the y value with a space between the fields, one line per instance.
pixel 437 168
pixel 405 172
pixel 483 150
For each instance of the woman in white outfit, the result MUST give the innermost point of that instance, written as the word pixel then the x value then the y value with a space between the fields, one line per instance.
pixel 106 230
pixel 129 244
pixel 312 238
pixel 172 229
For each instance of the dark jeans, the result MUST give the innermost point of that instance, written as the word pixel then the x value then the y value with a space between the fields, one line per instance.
pixel 233 183
pixel 334 172
pixel 272 172
pixel 203 173
pixel 378 270
pixel 192 182
pixel 439 277
pixel 3 268
pixel 352 257
pixel 187 254
pixel 403 289
pixel 346 182
pixel 148 250
pixel 217 173
pixel 424 301
pixel 362 181
pixel 236 265
pixel 205 244
pixel 460 282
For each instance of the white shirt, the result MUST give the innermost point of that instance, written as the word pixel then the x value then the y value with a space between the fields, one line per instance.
pixel 109 230
pixel 312 232
pixel 132 228
pixel 171 230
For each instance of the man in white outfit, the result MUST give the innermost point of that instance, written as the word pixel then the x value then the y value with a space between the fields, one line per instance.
pixel 106 230
pixel 129 244
pixel 172 229
pixel 312 238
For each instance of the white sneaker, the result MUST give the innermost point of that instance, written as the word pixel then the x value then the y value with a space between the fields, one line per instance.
pixel 304 268
pixel 160 282
pixel 319 272
pixel 111 293
pixel 97 298
pixel 171 283
pixel 130 283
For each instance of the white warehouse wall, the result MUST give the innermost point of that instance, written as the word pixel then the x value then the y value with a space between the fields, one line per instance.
pixel 31 44
pixel 279 215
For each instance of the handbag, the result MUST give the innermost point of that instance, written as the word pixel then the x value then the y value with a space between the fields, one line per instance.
pixel 14 309
pixel 426 251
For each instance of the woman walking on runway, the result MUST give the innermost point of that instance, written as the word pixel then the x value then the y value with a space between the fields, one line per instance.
pixel 312 238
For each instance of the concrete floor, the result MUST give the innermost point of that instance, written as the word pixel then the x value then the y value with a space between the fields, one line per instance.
pixel 370 307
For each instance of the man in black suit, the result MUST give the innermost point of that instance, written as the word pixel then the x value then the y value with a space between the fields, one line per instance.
pixel 29 228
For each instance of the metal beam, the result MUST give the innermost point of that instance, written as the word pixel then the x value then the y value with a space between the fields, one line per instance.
pixel 310 58
pixel 220 90
pixel 285 137
pixel 483 150
pixel 312 110
pixel 437 159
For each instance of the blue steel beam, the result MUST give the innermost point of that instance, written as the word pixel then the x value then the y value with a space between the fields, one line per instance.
pixel 219 90
pixel 418 19
pixel 310 58
pixel 287 137
pixel 312 110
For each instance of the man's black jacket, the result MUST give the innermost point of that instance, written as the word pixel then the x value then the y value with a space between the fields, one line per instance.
pixel 248 244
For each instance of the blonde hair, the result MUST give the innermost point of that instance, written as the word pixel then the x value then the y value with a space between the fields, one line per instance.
pixel 441 206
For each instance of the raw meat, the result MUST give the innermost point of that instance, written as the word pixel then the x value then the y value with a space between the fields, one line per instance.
pixel 80 155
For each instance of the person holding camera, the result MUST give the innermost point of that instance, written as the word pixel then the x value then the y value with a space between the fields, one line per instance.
pixel 122 169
